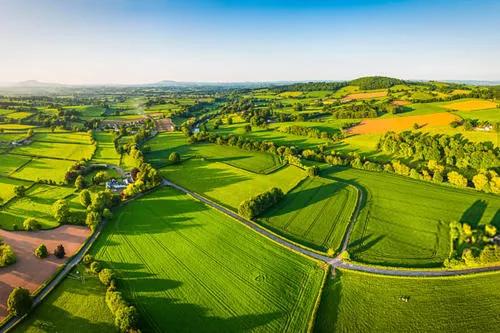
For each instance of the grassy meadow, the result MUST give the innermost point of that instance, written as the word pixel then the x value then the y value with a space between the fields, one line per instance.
pixel 105 152
pixel 165 143
pixel 315 213
pixel 74 306
pixel 37 203
pixel 360 302
pixel 405 222
pixel 229 185
pixel 186 267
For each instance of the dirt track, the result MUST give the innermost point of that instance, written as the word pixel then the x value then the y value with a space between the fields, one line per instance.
pixel 29 271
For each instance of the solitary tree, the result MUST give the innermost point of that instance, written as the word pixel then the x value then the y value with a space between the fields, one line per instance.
pixel 80 183
pixel 19 301
pixel 20 191
pixel 85 198
pixel 41 251
pixel 60 210
pixel 59 251
pixel 174 157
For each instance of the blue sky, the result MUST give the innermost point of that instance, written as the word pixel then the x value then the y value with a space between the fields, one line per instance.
pixel 124 41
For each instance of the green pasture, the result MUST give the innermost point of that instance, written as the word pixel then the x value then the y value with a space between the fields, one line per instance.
pixel 63 137
pixel 165 143
pixel 491 115
pixel 75 305
pixel 59 150
pixel 105 152
pixel 43 169
pixel 9 163
pixel 360 302
pixel 7 188
pixel 405 222
pixel 316 213
pixel 229 185
pixel 19 115
pixel 271 135
pixel 37 204
pixel 188 268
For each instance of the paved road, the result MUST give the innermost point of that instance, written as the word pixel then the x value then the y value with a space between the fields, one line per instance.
pixel 335 262
pixel 59 277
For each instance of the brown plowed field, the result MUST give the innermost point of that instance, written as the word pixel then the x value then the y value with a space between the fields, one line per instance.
pixel 399 124
pixel 29 271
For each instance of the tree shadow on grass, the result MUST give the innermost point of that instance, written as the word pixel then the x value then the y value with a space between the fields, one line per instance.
pixel 171 315
pixel 474 213
pixel 310 195
pixel 496 219
pixel 329 308
pixel 51 318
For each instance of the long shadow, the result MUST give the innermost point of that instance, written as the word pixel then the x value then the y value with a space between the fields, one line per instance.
pixel 51 318
pixel 474 213
pixel 329 310
pixel 187 317
pixel 316 194
pixel 496 219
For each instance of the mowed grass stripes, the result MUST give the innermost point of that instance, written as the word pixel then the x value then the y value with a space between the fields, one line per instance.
pixel 315 213
pixel 189 268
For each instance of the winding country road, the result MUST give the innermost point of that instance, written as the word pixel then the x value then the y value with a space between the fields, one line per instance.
pixel 334 262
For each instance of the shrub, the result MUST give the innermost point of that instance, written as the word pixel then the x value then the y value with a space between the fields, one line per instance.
pixel 99 178
pixel 7 255
pixel 85 198
pixel 60 211
pixel 41 251
pixel 114 300
pixel 92 220
pixel 19 301
pixel 20 191
pixel 313 171
pixel 106 276
pixel 88 259
pixel 30 224
pixel 80 183
pixel 174 157
pixel 59 251
pixel 95 267
pixel 126 318
pixel 106 213
pixel 457 179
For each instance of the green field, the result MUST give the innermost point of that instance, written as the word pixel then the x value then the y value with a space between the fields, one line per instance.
pixel 37 204
pixel 68 151
pixel 404 222
pixel 278 138
pixel 7 188
pixel 19 115
pixel 63 137
pixel 229 185
pixel 359 302
pixel 44 168
pixel 165 143
pixel 315 213
pixel 105 152
pixel 187 267
pixel 74 306
pixel 9 163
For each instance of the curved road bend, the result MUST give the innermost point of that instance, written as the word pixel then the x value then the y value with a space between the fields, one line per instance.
pixel 335 262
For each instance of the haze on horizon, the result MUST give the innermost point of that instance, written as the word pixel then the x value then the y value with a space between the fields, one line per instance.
pixel 126 41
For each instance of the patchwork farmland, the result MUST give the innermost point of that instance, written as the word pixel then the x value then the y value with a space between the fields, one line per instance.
pixel 293 207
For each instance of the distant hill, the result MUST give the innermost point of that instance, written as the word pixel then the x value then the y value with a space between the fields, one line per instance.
pixel 375 82
pixel 36 84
